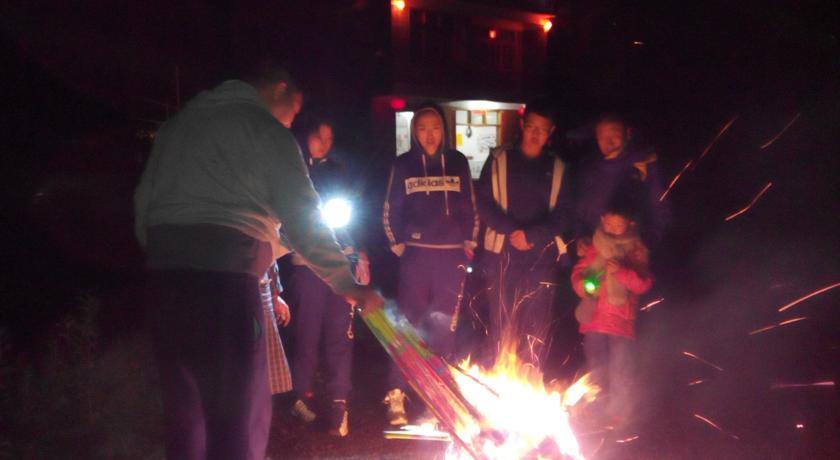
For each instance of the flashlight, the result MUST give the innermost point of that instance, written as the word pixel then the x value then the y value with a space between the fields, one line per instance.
pixel 336 213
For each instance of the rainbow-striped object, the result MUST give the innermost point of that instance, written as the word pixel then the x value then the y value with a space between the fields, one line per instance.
pixel 427 374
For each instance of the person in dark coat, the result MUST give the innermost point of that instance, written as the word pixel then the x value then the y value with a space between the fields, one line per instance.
pixel 431 223
pixel 322 319
pixel 523 199
pixel 621 169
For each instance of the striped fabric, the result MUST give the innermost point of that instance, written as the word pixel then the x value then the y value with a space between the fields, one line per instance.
pixel 279 374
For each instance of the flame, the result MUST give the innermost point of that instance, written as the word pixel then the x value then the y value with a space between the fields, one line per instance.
pixel 519 415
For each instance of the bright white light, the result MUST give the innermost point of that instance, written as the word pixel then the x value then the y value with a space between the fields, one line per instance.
pixel 336 213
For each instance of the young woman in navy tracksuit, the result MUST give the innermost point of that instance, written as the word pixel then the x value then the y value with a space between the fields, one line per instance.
pixel 431 224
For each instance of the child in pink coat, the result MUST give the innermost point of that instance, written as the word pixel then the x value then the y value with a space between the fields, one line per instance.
pixel 610 276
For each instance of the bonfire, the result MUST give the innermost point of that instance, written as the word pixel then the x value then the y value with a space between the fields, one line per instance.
pixel 503 411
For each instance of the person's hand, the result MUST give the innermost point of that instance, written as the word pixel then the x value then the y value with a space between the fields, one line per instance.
pixel 469 252
pixel 613 266
pixel 363 269
pixel 365 297
pixel 519 241
pixel 398 249
pixel 281 311
pixel 581 246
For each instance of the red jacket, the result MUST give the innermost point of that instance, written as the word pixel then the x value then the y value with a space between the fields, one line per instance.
pixel 609 319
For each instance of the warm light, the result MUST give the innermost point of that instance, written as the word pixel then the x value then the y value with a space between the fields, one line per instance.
pixel 336 213
pixel 398 4
pixel 638 43
pixel 546 25
pixel 397 103
pixel 522 415
pixel 492 34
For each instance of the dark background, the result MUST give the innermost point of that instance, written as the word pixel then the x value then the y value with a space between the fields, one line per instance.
pixel 85 85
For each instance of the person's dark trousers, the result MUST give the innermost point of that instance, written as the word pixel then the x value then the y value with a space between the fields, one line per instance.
pixel 610 361
pixel 429 285
pixel 208 332
pixel 321 319
pixel 520 294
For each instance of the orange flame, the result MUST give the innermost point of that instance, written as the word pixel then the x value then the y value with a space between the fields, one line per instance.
pixel 519 413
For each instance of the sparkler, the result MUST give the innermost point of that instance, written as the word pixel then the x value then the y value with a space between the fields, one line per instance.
pixel 780 323
pixel 715 426
pixel 747 208
pixel 777 136
pixel 806 297
pixel 692 355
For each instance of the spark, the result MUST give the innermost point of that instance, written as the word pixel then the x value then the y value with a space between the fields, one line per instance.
pixel 777 136
pixel 715 426
pixel 763 329
pixel 696 382
pixel 652 304
pixel 800 426
pixel 674 180
pixel 691 163
pixel 747 208
pixel 692 355
pixel 792 320
pixel 806 297
pixel 626 440
pixel 784 386
pixel 780 323
pixel 716 138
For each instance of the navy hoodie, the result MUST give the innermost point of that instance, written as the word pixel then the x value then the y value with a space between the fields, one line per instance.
pixel 632 177
pixel 430 200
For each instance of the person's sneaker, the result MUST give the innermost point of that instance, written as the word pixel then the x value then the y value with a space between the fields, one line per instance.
pixel 395 400
pixel 339 419
pixel 303 412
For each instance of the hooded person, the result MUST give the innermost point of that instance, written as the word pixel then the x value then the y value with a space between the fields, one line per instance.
pixel 224 174
pixel 432 225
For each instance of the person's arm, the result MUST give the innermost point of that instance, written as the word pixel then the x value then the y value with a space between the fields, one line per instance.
pixel 634 273
pixel 392 210
pixel 636 282
pixel 468 216
pixel 296 204
pixel 488 210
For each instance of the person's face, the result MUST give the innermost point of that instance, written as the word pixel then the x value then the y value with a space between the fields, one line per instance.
pixel 615 224
pixel 536 129
pixel 317 147
pixel 325 132
pixel 429 131
pixel 612 138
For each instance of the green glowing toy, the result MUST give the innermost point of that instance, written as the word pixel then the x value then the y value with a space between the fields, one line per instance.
pixel 590 285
